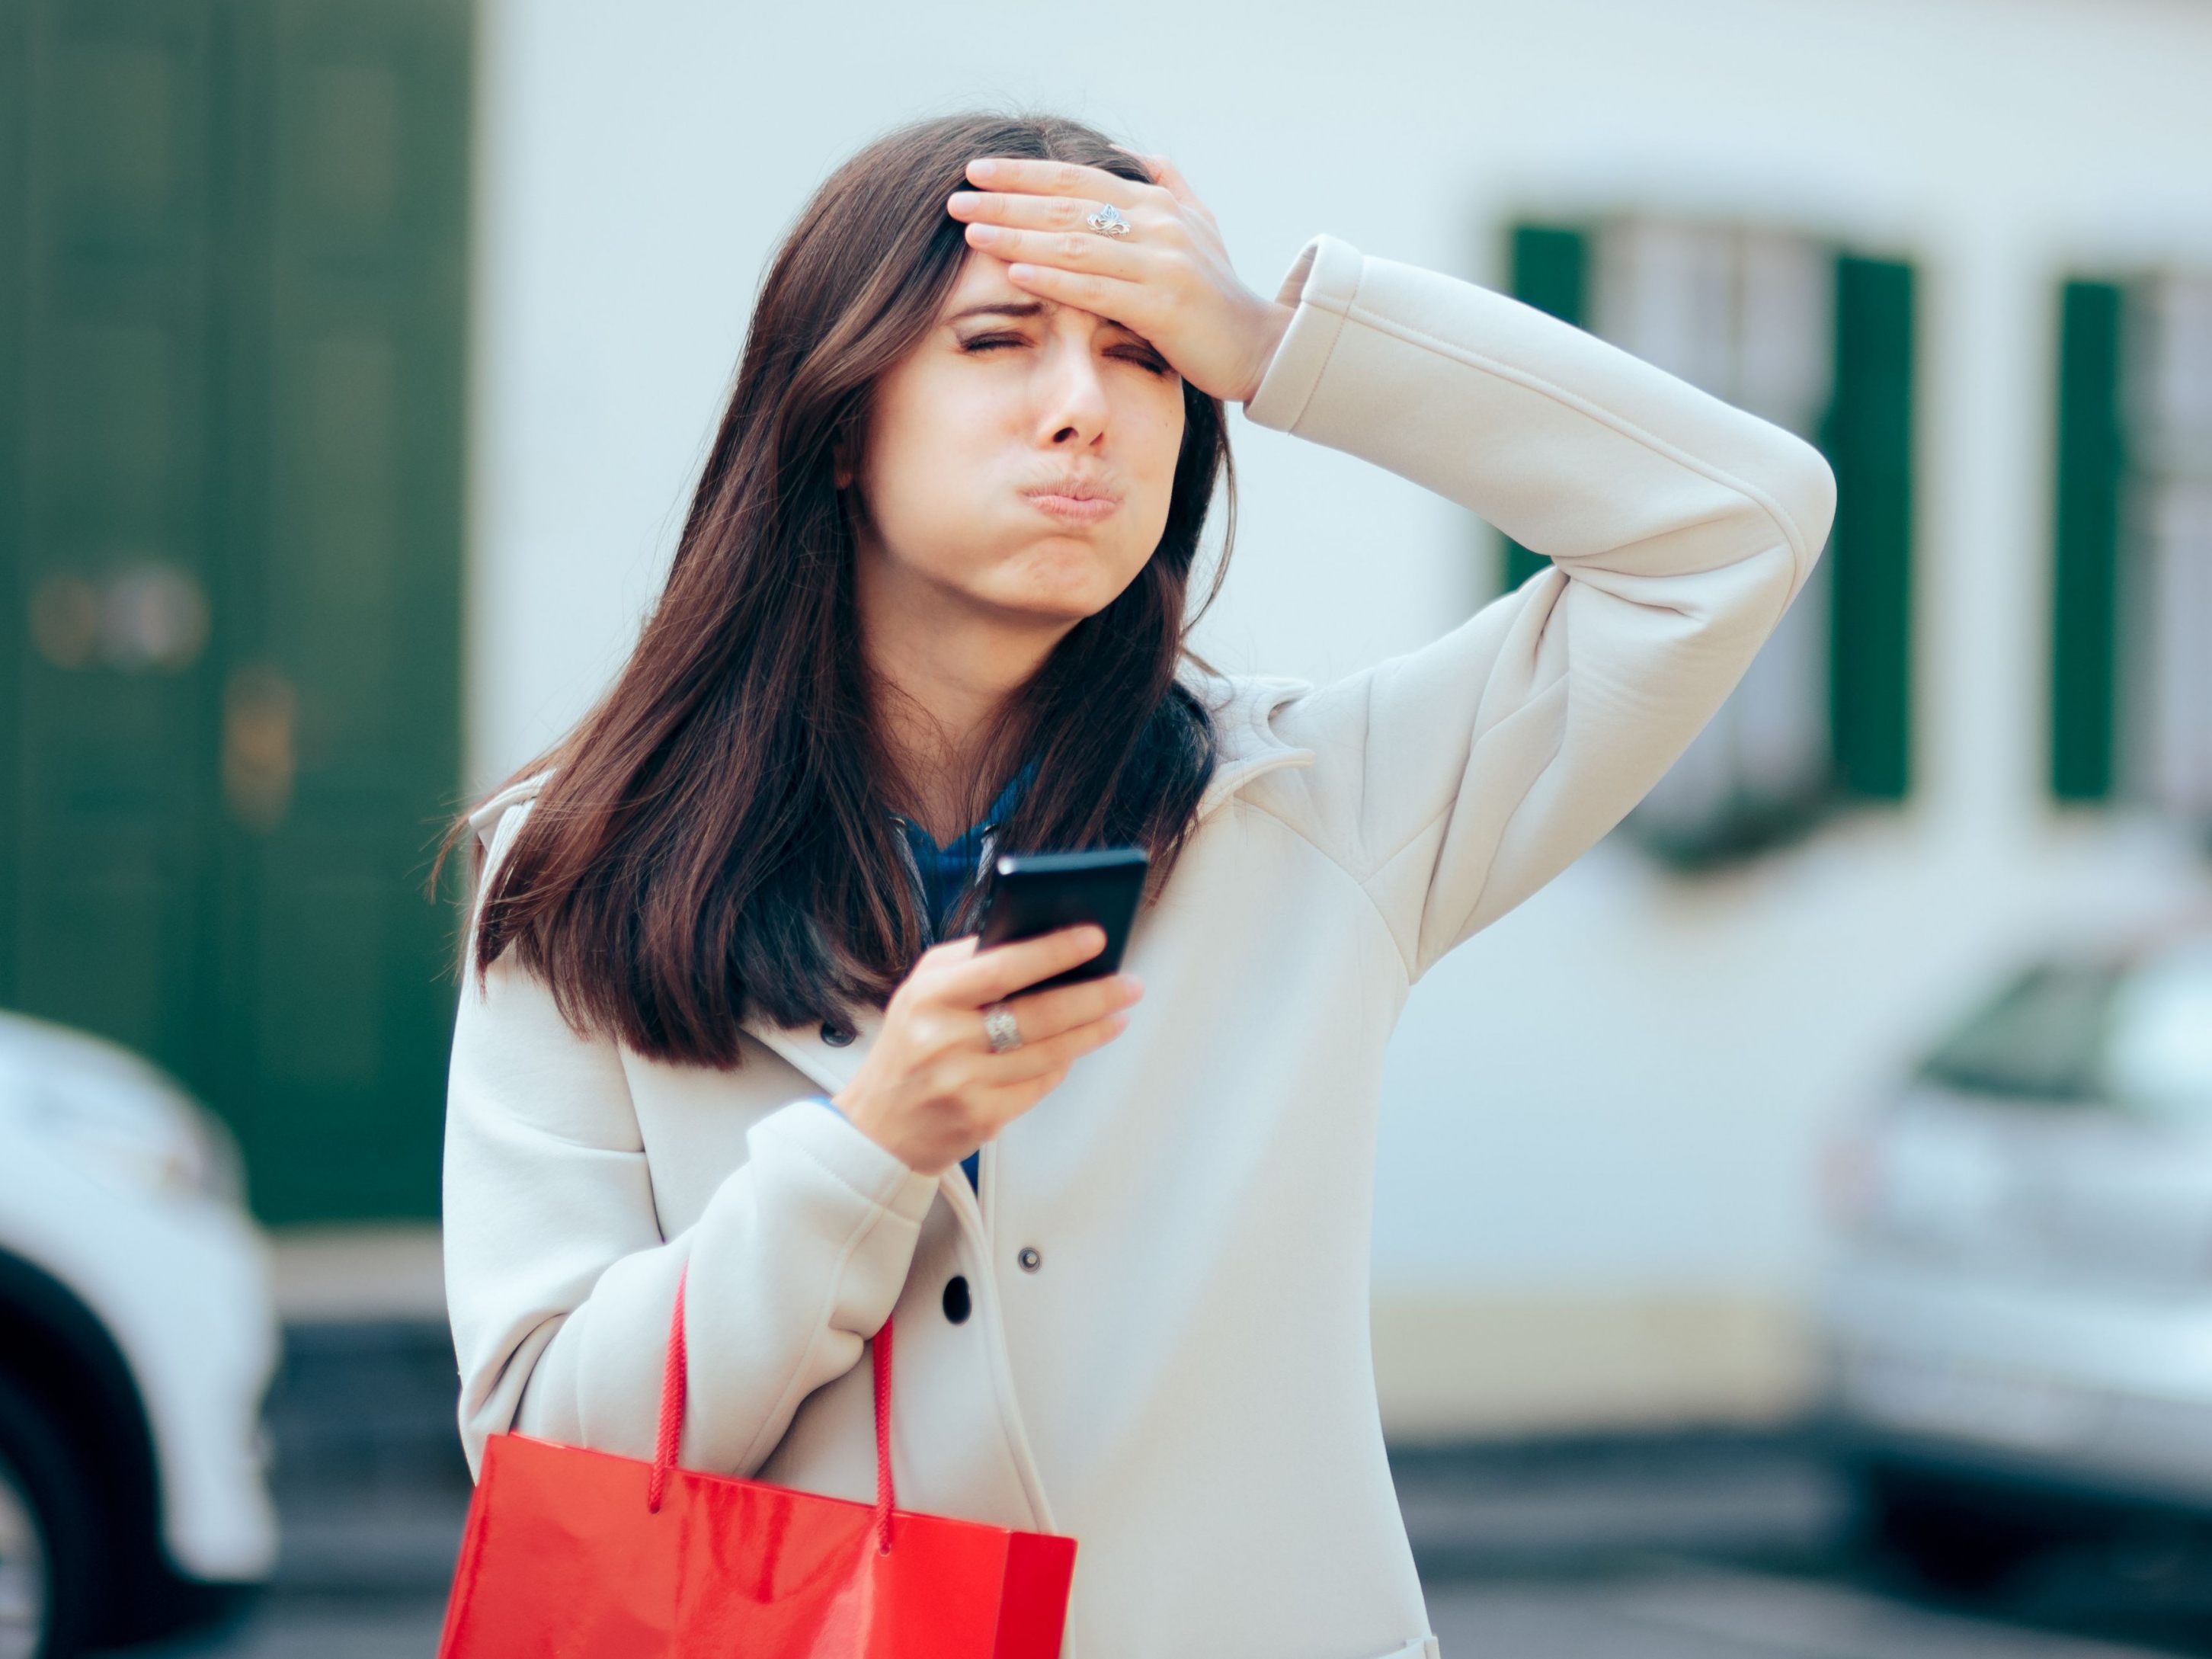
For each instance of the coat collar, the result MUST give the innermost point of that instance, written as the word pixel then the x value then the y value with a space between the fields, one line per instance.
pixel 1242 706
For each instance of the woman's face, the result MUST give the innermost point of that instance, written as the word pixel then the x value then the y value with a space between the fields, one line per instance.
pixel 1007 398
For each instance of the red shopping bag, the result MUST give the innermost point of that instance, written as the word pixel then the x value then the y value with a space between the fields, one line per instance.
pixel 583 1554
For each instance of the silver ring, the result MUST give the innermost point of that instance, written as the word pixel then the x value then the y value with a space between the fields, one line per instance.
pixel 1108 221
pixel 999 1027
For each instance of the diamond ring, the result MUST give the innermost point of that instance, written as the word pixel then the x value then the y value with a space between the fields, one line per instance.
pixel 1109 221
pixel 999 1027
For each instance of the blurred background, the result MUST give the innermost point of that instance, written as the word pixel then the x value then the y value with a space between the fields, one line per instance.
pixel 1793 1225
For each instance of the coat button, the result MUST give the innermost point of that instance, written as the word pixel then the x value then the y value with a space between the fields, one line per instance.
pixel 1029 1258
pixel 956 1299
pixel 836 1035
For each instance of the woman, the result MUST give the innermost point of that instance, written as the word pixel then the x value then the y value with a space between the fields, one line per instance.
pixel 717 1015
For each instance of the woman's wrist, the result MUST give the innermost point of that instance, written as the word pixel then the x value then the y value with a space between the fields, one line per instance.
pixel 1274 322
pixel 855 1113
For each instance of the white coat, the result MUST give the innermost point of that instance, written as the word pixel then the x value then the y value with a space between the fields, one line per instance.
pixel 1180 1376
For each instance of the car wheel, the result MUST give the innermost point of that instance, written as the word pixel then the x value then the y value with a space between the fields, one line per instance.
pixel 1953 1538
pixel 47 1535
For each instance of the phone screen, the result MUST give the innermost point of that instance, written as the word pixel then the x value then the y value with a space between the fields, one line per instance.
pixel 1033 893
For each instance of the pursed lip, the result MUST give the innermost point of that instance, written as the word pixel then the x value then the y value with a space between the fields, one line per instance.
pixel 1075 501
pixel 1075 490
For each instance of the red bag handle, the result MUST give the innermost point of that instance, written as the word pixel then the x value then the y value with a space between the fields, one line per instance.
pixel 671 1417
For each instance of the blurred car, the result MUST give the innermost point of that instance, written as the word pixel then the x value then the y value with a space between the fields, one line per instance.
pixel 137 1341
pixel 2016 1314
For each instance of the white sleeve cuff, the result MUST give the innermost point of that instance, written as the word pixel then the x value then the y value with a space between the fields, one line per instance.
pixel 834 1141
pixel 1321 283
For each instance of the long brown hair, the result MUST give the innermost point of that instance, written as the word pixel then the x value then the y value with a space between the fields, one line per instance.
pixel 715 835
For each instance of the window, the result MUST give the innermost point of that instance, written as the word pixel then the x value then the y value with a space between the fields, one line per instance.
pixel 2131 1032
pixel 2131 680
pixel 1818 340
pixel 2041 1038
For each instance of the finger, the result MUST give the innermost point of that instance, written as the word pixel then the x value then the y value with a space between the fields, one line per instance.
pixel 1081 250
pixel 1056 179
pixel 1034 1059
pixel 1034 1030
pixel 993 974
pixel 1068 215
pixel 1170 179
pixel 941 955
pixel 1184 194
pixel 1041 1014
pixel 1105 296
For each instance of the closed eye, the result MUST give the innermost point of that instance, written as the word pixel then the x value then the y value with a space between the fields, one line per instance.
pixel 1134 353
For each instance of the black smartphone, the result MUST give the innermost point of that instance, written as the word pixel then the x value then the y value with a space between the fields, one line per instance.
pixel 1033 893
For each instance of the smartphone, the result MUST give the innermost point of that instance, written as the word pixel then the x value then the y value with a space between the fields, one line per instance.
pixel 1035 893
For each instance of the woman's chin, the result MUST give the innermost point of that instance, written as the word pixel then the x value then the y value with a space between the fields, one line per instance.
pixel 1063 596
pixel 1059 612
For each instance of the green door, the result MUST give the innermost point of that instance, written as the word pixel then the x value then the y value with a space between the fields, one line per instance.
pixel 232 443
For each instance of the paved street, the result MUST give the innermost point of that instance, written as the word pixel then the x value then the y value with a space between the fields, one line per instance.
pixel 1711 1548
pixel 1657 1608
pixel 1664 1610
pixel 1720 1548
pixel 1686 1610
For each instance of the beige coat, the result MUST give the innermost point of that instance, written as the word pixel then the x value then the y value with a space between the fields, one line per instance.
pixel 1181 1380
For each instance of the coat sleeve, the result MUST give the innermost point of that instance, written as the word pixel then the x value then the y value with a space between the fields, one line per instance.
pixel 560 1282
pixel 1453 781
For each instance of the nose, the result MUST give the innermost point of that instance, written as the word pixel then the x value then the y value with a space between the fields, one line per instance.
pixel 1072 389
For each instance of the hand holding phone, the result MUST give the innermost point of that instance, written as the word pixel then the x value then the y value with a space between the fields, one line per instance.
pixel 931 1090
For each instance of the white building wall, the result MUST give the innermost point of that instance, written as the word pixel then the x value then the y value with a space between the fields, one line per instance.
pixel 1595 1200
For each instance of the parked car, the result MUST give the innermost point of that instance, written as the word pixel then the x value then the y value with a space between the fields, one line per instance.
pixel 139 1338
pixel 2017 1309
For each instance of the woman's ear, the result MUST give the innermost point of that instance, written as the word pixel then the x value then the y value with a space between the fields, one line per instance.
pixel 842 477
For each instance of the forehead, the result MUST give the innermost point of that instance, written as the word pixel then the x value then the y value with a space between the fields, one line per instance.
pixel 984 294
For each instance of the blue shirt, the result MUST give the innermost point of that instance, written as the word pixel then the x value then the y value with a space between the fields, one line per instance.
pixel 945 873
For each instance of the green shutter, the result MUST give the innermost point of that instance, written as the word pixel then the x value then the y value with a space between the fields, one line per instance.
pixel 1868 439
pixel 113 390
pixel 349 562
pixel 2091 464
pixel 1550 270
pixel 15 550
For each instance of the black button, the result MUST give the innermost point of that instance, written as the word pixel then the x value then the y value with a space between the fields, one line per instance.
pixel 1029 1258
pixel 835 1035
pixel 956 1299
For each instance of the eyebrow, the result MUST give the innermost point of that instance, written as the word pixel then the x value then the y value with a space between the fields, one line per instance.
pixel 1024 308
pixel 1000 308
